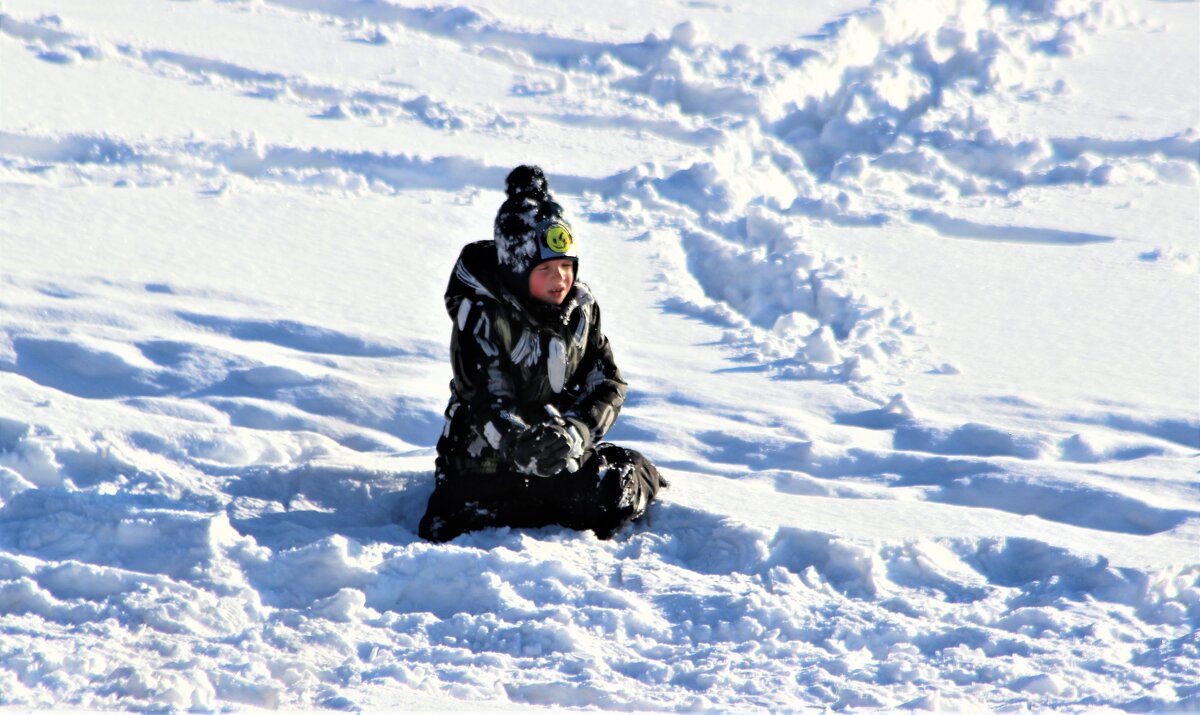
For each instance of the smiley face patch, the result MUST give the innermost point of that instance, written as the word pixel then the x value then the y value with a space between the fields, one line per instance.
pixel 559 239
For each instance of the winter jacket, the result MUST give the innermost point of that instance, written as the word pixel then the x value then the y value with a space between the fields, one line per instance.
pixel 512 358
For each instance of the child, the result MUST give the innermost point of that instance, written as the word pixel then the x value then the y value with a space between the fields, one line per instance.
pixel 535 386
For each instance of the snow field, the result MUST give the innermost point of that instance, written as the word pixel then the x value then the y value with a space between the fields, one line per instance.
pixel 226 227
pixel 499 602
pixel 316 544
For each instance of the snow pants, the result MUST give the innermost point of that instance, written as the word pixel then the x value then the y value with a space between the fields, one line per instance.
pixel 611 488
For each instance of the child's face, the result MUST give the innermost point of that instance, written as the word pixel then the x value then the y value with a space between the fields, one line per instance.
pixel 550 282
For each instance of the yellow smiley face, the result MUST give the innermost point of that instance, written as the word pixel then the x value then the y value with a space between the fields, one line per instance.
pixel 558 238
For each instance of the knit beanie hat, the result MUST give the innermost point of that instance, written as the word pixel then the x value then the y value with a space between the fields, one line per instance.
pixel 529 229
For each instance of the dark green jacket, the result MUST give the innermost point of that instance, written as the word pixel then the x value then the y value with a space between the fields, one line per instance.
pixel 512 358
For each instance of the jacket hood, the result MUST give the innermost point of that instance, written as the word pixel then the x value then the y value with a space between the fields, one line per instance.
pixel 477 275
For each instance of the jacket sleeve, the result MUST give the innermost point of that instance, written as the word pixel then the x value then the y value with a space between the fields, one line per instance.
pixel 490 420
pixel 599 385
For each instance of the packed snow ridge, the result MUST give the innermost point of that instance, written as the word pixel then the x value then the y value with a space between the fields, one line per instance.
pixel 226 228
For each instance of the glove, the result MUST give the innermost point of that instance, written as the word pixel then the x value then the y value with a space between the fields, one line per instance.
pixel 576 434
pixel 540 451
pixel 547 449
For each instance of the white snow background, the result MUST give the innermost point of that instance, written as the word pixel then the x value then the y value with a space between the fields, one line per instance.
pixel 906 292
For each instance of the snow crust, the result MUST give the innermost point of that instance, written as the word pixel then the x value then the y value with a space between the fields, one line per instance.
pixel 905 291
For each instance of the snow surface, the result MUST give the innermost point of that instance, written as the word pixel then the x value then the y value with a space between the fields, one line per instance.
pixel 906 292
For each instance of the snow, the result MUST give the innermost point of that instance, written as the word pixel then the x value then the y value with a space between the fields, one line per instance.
pixel 906 293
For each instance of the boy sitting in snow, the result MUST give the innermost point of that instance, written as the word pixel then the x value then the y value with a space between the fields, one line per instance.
pixel 535 387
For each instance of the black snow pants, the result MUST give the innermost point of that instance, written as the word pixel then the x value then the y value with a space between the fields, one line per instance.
pixel 612 488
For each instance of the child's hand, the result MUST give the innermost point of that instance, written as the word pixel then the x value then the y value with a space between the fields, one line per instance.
pixel 546 449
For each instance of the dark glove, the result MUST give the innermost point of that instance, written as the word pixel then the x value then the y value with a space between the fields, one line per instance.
pixel 546 449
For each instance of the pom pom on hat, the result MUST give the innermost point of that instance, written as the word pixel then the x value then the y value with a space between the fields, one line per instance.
pixel 527 180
